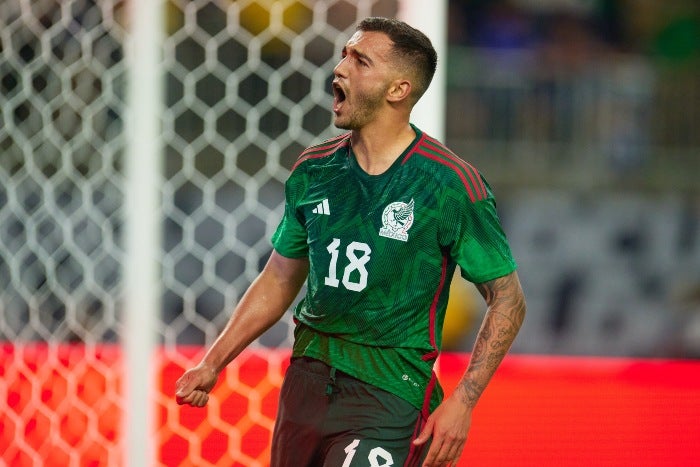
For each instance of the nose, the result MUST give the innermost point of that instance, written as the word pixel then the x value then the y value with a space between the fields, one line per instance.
pixel 338 70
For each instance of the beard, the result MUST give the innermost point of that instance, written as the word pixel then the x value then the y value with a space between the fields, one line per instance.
pixel 363 110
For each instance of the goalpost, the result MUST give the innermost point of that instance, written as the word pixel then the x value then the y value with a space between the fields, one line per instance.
pixel 143 155
pixel 429 113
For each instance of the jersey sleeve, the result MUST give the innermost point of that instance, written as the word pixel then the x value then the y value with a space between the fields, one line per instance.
pixel 290 237
pixel 472 232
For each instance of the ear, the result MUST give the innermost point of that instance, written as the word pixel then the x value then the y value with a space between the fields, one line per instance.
pixel 399 90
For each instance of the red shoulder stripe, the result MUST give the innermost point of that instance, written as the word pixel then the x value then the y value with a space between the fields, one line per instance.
pixel 471 171
pixel 459 173
pixel 324 149
pixel 433 311
pixel 431 148
pixel 416 146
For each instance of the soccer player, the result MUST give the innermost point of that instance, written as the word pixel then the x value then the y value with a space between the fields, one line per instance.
pixel 376 221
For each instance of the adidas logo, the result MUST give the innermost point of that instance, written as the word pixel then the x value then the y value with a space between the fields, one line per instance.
pixel 322 208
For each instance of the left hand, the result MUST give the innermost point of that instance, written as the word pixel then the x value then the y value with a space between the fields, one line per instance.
pixel 448 425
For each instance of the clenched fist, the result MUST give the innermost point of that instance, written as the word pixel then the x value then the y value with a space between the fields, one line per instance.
pixel 194 386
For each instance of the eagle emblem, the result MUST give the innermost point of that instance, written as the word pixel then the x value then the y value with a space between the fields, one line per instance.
pixel 397 218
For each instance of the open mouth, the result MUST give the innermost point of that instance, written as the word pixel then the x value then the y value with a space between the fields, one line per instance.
pixel 338 96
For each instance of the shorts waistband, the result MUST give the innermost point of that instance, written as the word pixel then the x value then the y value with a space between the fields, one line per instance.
pixel 318 367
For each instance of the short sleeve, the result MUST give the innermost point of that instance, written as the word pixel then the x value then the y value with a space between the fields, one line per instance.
pixel 290 237
pixel 474 237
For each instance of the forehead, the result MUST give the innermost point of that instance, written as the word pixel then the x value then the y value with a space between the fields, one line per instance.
pixel 370 43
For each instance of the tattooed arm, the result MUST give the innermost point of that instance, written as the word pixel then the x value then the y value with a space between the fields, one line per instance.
pixel 504 316
pixel 449 424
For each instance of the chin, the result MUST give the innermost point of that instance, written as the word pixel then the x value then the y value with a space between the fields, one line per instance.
pixel 342 125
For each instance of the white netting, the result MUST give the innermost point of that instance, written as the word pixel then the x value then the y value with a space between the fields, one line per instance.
pixel 247 89
pixel 60 178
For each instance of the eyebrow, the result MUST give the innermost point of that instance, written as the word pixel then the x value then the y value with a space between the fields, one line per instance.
pixel 358 54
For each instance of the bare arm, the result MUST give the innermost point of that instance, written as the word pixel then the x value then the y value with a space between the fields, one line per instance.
pixel 449 424
pixel 263 304
pixel 504 316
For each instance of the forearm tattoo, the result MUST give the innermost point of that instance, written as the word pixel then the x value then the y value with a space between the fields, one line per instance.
pixel 504 316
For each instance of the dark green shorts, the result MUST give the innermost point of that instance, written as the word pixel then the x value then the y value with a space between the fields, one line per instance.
pixel 328 418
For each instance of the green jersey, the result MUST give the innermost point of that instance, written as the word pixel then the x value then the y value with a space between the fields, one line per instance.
pixel 382 251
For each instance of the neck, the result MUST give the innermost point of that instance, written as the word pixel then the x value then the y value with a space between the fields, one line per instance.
pixel 376 151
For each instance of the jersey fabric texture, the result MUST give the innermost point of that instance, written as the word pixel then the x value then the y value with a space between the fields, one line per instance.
pixel 382 251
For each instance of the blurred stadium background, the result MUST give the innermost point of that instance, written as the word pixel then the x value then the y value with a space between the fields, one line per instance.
pixel 582 114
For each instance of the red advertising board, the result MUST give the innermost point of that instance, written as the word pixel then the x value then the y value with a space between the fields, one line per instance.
pixel 62 406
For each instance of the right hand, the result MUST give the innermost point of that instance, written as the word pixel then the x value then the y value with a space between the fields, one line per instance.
pixel 194 386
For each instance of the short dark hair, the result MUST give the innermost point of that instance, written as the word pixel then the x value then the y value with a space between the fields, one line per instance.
pixel 410 45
